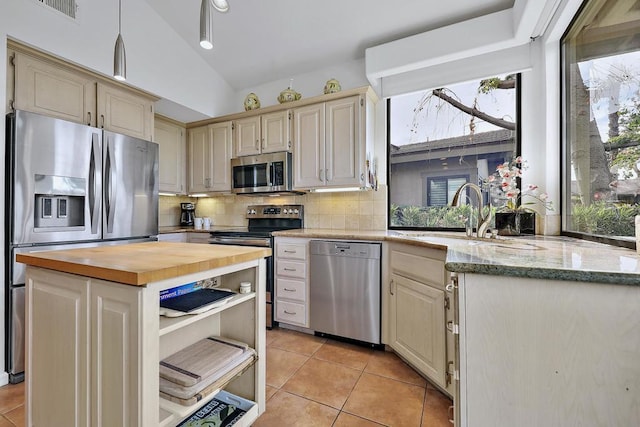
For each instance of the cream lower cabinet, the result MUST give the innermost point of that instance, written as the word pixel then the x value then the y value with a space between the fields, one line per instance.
pixel 267 133
pixel 171 139
pixel 542 352
pixel 93 347
pixel 417 303
pixel 209 154
pixel 291 281
pixel 331 143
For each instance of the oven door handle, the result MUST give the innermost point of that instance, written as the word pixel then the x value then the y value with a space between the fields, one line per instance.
pixel 240 242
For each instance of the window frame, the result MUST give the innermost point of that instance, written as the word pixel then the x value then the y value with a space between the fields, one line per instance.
pixel 518 151
pixel 565 168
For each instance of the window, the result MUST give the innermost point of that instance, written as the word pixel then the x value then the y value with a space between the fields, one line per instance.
pixel 440 139
pixel 601 135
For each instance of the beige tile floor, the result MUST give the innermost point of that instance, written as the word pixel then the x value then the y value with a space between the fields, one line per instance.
pixel 316 382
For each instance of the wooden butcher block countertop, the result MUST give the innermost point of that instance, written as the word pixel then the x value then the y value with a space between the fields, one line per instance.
pixel 140 263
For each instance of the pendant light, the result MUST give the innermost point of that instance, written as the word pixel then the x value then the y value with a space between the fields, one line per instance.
pixel 119 55
pixel 220 5
pixel 206 25
pixel 206 20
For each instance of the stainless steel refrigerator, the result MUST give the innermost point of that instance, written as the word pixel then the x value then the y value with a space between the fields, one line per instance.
pixel 69 186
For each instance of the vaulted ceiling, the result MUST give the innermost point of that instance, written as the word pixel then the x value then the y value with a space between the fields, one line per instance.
pixel 259 41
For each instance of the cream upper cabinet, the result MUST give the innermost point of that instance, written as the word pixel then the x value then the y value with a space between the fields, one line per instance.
pixel 45 85
pixel 171 137
pixel 308 147
pixel 266 133
pixel 417 302
pixel 331 141
pixel 123 112
pixel 209 155
pixel 52 90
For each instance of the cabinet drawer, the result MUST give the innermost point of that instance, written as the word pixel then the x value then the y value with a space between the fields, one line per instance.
pixel 291 312
pixel 291 269
pixel 291 251
pixel 290 289
pixel 419 268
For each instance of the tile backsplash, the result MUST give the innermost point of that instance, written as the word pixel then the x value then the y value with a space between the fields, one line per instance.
pixel 360 210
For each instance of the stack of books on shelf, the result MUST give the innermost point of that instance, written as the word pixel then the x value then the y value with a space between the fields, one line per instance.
pixel 193 373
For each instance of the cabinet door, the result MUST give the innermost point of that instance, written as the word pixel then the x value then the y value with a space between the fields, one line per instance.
pixel 172 163
pixel 200 164
pixel 417 326
pixel 247 136
pixel 344 151
pixel 57 305
pixel 115 379
pixel 52 90
pixel 123 112
pixel 221 149
pixel 308 147
pixel 276 132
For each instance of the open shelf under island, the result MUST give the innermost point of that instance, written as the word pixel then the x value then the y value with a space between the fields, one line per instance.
pixel 95 336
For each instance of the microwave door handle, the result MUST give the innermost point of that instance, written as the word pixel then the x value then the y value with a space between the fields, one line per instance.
pixel 271 177
pixel 94 212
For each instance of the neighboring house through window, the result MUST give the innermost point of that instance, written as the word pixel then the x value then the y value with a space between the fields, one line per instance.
pixel 441 139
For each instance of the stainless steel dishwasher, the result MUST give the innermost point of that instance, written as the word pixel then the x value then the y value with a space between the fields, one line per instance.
pixel 345 289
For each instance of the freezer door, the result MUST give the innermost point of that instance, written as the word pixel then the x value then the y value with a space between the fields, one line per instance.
pixel 15 362
pixel 130 187
pixel 56 182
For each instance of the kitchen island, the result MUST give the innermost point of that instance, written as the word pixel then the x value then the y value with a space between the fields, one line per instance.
pixel 95 335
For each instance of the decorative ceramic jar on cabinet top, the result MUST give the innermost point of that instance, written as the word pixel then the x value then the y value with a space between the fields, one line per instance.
pixel 288 95
pixel 332 86
pixel 251 102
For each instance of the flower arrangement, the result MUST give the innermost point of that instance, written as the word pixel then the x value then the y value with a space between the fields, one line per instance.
pixel 506 178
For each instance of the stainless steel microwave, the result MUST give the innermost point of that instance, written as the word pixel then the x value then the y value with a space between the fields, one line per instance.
pixel 262 173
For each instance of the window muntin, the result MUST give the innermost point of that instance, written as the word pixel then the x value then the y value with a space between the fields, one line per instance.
pixel 601 135
pixel 434 140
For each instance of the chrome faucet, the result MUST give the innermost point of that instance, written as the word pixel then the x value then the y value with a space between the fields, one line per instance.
pixel 483 221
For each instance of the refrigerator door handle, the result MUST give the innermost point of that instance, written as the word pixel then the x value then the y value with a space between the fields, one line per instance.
pixel 111 187
pixel 93 183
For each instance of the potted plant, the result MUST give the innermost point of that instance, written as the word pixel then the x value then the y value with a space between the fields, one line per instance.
pixel 514 218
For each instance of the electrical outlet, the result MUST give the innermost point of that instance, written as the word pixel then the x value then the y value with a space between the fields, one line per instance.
pixel 215 282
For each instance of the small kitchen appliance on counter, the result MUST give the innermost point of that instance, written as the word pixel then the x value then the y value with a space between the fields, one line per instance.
pixel 187 214
pixel 262 221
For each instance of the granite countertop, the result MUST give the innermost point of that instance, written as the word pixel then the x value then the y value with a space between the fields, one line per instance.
pixel 141 263
pixel 543 257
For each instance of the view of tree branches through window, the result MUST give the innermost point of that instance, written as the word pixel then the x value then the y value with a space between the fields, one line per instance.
pixel 443 138
pixel 602 119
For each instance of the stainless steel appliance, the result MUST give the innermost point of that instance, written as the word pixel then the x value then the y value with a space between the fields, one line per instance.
pixel 263 220
pixel 187 213
pixel 344 284
pixel 69 185
pixel 262 173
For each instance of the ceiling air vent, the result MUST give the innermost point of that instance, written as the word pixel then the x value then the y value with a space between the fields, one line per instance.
pixel 68 7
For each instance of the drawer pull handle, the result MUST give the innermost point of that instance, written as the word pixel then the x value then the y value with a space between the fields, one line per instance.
pixel 289 312
pixel 289 252
pixel 289 269
pixel 289 290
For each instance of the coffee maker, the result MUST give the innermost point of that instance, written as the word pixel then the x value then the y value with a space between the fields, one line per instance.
pixel 188 212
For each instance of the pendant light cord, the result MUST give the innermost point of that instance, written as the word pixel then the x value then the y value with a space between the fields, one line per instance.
pixel 119 16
